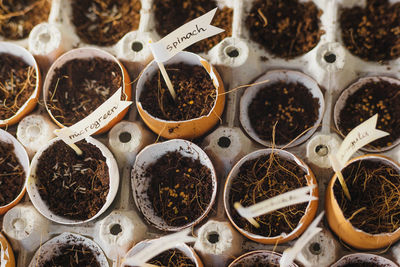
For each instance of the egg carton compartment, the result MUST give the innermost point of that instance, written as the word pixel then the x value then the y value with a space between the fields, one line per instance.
pixel 239 60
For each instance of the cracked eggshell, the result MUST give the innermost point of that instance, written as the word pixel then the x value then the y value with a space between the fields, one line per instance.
pixel 52 248
pixel 187 129
pixel 140 182
pixel 23 158
pixel 353 88
pixel 273 77
pixel 253 257
pixel 41 205
pixel 360 258
pixel 30 104
pixel 311 209
pixel 185 249
pixel 342 226
pixel 84 53
pixel 6 253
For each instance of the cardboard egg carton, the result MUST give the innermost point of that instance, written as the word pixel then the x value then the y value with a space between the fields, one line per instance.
pixel 122 225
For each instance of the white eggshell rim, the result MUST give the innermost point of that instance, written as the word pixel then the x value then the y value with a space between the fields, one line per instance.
pixel 273 77
pixel 341 103
pixel 23 159
pixel 140 183
pixel 78 53
pixel 376 158
pixel 233 173
pixel 52 248
pixel 185 249
pixel 41 205
pixel 364 257
pixel 273 256
pixel 19 51
pixel 185 57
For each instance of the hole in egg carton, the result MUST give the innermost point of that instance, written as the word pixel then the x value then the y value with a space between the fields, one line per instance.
pixel 232 51
pixel 125 137
pixel 137 46
pixel 315 248
pixel 213 237
pixel 330 57
pixel 115 229
pixel 224 142
pixel 322 150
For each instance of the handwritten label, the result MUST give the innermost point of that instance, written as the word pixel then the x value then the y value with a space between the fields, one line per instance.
pixel 363 134
pixel 158 246
pixel 95 121
pixel 186 35
pixel 290 254
pixel 283 200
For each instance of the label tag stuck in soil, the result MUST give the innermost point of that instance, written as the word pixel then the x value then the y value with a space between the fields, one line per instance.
pixel 186 35
pixel 360 136
pixel 290 254
pixel 290 198
pixel 95 121
pixel 158 246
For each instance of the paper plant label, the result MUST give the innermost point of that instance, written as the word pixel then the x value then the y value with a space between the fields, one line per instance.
pixel 363 134
pixel 99 118
pixel 290 254
pixel 158 246
pixel 186 35
pixel 290 198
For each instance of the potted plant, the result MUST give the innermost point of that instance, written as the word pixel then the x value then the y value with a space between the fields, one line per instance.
pixel 199 103
pixel 264 174
pixel 69 188
pixel 285 28
pixel 369 220
pixel 80 81
pixel 69 249
pixel 104 23
pixel 14 168
pixel 20 83
pixel 291 103
pixel 365 98
pixel 174 184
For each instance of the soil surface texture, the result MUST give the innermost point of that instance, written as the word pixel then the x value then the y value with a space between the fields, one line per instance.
pixel 263 178
pixel 290 106
pixel 171 258
pixel 74 187
pixel 18 17
pixel 80 86
pixel 105 22
pixel 374 188
pixel 372 33
pixel 73 256
pixel 195 93
pixel 285 28
pixel 180 189
pixel 17 83
pixel 12 174
pixel 171 14
pixel 382 98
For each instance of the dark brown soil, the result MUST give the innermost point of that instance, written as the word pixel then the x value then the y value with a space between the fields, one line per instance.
pixel 80 86
pixel 171 14
pixel 73 186
pixel 105 22
pixel 17 83
pixel 18 17
pixel 374 97
pixel 195 93
pixel 171 258
pixel 290 104
pixel 12 174
pixel 286 28
pixel 73 255
pixel 364 264
pixel 263 178
pixel 375 192
pixel 180 188
pixel 372 33
pixel 258 262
